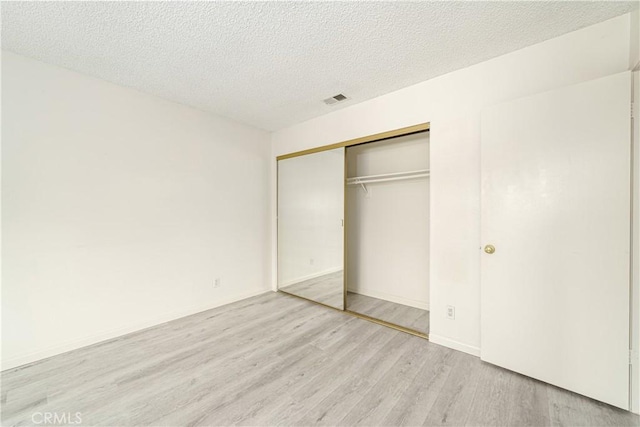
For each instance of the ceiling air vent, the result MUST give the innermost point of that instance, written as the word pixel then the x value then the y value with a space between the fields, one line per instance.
pixel 335 99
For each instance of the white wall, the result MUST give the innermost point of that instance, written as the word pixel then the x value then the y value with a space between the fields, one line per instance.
pixel 311 207
pixel 388 226
pixel 635 262
pixel 452 103
pixel 120 210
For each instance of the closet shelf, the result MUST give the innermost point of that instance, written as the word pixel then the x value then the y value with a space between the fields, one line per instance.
pixel 397 176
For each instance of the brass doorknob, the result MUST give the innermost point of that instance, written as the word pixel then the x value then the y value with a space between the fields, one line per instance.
pixel 489 249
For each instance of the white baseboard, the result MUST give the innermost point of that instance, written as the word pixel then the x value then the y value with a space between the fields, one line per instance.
pixel 392 298
pixel 114 333
pixel 456 345
pixel 310 276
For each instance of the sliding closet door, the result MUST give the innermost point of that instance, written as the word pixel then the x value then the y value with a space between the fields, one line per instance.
pixel 310 226
pixel 555 232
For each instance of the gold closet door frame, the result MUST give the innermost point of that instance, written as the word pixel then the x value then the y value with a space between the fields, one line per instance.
pixel 409 130
pixel 423 127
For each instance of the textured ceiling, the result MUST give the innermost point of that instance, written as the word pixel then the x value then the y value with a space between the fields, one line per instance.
pixel 270 64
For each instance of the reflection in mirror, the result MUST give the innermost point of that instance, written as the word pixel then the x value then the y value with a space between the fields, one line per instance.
pixel 388 230
pixel 310 226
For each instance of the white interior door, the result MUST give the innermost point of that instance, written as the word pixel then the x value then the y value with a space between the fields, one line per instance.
pixel 556 204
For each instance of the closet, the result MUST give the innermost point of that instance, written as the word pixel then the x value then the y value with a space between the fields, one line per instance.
pixel 353 227
pixel 387 207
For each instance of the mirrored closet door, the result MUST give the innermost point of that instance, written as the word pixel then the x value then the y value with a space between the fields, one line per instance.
pixel 310 226
pixel 353 227
pixel 387 207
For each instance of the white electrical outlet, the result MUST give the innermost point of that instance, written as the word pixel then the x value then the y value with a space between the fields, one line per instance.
pixel 311 261
pixel 216 283
pixel 451 312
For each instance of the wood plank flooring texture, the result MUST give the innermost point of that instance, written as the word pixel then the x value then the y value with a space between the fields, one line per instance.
pixel 327 289
pixel 278 360
pixel 399 314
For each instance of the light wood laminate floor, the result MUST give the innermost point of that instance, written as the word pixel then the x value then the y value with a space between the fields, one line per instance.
pixel 279 360
pixel 400 314
pixel 327 289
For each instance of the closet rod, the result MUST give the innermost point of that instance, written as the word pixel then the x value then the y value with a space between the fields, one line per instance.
pixel 358 180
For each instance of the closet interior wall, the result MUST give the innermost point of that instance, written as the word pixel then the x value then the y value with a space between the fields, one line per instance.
pixel 388 229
